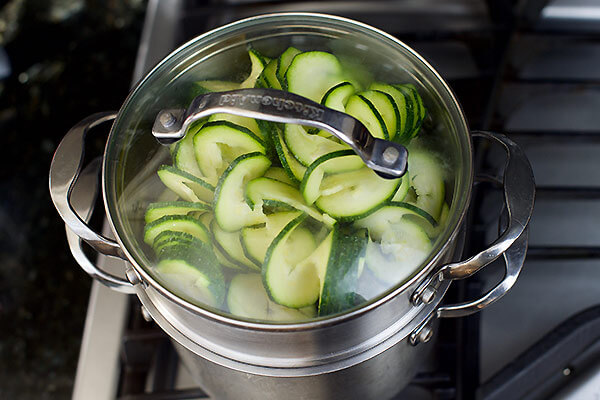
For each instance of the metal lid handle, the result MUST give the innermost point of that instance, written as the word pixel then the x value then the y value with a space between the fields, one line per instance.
pixel 386 158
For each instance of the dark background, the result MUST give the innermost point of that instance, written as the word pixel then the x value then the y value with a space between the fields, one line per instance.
pixel 68 59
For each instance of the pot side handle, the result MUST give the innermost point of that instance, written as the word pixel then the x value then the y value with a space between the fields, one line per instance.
pixel 83 198
pixel 519 195
pixel 74 194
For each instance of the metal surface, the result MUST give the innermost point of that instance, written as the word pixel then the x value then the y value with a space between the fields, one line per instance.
pixel 83 197
pixel 542 369
pixel 378 373
pixel 519 194
pixel 64 171
pixel 327 348
pixel 64 175
pixel 386 158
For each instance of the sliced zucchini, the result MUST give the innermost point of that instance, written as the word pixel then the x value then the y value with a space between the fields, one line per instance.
pixel 158 210
pixel 257 64
pixel 278 174
pixel 393 213
pixel 248 123
pixel 256 240
pixel 307 148
pixel 202 87
pixel 400 102
pixel 247 298
pixel 412 111
pixel 219 143
pixel 268 77
pixel 185 185
pixel 363 110
pixel 285 59
pixel 232 213
pixel 386 106
pixel 402 249
pixel 419 108
pixel 339 281
pixel 184 157
pixel 230 246
pixel 337 97
pixel 192 272
pixel 352 195
pixel 402 191
pixel 427 179
pixel 311 74
pixel 266 191
pixel 286 282
pixel 294 169
pixel 332 163
pixel 178 223
pixel 171 238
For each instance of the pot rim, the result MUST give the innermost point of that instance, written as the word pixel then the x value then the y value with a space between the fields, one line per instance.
pixel 146 278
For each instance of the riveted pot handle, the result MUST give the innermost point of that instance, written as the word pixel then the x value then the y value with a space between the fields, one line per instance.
pixel 64 172
pixel 519 194
pixel 83 197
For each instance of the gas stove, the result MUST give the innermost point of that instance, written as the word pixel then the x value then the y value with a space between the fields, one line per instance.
pixel 530 71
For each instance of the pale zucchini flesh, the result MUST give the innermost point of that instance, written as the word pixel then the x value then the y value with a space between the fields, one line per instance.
pixel 355 194
pixel 287 283
pixel 232 213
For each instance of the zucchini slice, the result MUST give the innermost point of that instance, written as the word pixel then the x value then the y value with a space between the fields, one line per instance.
pixel 386 106
pixel 247 298
pixel 158 210
pixel 269 192
pixel 294 169
pixel 170 238
pixel 400 102
pixel 278 174
pixel 311 74
pixel 186 185
pixel 402 249
pixel 307 148
pixel 339 280
pixel 268 77
pixel 332 163
pixel 202 87
pixel 365 111
pixel 257 64
pixel 285 59
pixel 178 223
pixel 391 214
pixel 402 191
pixel 192 272
pixel 184 157
pixel 337 97
pixel 232 213
pixel 413 112
pixel 219 143
pixel 256 240
pixel 229 245
pixel 352 195
pixel 245 122
pixel 427 179
pixel 286 282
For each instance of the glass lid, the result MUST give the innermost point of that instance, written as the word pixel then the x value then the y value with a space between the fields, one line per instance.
pixel 276 222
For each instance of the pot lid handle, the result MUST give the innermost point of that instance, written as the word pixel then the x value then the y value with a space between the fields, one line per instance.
pixel 386 158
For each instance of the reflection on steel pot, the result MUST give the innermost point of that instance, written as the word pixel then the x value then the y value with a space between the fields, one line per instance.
pixel 367 350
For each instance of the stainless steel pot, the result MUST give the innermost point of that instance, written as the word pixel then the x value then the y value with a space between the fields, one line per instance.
pixel 368 352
